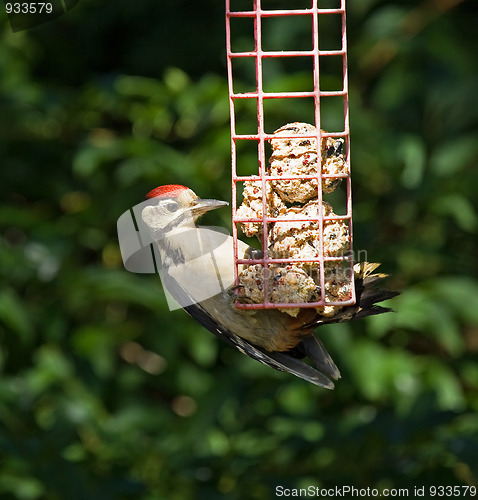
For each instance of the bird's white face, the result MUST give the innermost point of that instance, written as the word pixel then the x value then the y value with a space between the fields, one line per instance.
pixel 170 213
pixel 177 212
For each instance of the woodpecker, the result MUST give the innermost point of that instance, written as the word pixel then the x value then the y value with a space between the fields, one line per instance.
pixel 197 269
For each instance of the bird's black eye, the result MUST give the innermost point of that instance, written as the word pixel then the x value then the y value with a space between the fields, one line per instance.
pixel 171 206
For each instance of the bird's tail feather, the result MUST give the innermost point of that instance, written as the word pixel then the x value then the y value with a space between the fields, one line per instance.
pixel 314 349
pixel 368 295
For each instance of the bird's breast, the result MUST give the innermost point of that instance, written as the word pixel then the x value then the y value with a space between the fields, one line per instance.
pixel 206 264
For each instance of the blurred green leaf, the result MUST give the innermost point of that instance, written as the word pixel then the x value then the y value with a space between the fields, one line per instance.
pixel 14 315
pixel 455 156
pixel 447 387
pixel 459 208
pixel 414 158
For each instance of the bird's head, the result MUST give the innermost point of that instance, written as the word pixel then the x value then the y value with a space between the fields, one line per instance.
pixel 177 207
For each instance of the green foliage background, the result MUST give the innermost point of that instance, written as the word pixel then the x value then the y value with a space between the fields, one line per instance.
pixel 105 393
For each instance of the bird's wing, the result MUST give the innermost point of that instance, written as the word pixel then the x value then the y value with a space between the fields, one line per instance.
pixel 277 360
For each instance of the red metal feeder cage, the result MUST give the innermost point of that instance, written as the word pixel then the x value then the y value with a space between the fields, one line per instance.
pixel 264 94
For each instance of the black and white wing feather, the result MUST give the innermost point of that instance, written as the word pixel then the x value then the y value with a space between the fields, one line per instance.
pixel 278 360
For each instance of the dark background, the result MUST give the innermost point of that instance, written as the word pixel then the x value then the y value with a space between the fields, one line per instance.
pixel 106 394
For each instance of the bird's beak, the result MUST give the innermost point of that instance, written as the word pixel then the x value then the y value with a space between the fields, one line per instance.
pixel 203 206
